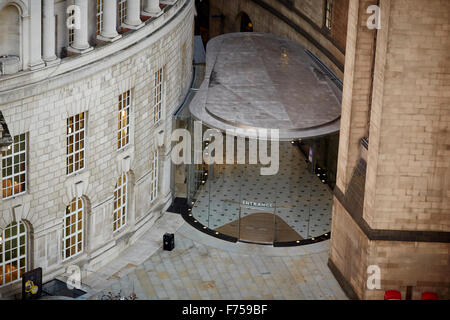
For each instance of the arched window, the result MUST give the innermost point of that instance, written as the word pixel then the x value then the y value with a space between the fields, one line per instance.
pixel 73 233
pixel 10 35
pixel 13 253
pixel 120 203
pixel 246 23
pixel 10 40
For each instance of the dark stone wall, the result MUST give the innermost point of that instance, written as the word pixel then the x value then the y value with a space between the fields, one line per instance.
pixel 299 20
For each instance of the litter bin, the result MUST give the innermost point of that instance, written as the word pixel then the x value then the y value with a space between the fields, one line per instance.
pixel 168 241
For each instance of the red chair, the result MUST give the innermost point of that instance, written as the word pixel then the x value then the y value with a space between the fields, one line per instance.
pixel 429 296
pixel 392 295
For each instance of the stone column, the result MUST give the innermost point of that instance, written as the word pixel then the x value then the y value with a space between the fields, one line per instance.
pixel 80 42
pixel 109 32
pixel 151 8
pixel 35 35
pixel 133 20
pixel 48 32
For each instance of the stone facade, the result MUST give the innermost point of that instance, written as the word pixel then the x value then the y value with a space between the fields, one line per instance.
pixel 39 102
pixel 396 94
pixel 298 20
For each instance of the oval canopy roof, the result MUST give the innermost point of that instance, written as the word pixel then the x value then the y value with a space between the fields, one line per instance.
pixel 257 80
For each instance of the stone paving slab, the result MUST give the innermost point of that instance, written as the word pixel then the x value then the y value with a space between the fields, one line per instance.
pixel 203 268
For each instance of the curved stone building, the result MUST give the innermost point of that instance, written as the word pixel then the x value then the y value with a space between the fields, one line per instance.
pixel 87 92
pixel 87 111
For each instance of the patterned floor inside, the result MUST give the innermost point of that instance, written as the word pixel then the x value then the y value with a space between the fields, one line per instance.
pixel 297 195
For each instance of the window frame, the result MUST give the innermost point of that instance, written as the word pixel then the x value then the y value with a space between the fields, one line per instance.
pixel 19 257
pixel 122 187
pixel 22 138
pixel 78 231
pixel 71 31
pixel 123 129
pixel 99 16
pixel 328 16
pixel 122 12
pixel 154 176
pixel 81 150
pixel 158 95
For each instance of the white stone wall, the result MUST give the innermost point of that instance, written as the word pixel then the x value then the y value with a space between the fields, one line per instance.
pixel 41 111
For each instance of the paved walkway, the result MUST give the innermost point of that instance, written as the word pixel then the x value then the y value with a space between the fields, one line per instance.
pixel 203 267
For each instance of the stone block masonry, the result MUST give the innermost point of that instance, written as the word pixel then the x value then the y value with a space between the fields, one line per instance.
pixel 402 106
pixel 42 111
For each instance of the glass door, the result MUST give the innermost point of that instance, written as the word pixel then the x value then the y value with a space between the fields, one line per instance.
pixel 257 222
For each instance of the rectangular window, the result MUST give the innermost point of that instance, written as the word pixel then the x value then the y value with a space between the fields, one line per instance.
pixel 183 63
pixel 73 235
pixel 154 177
pixel 99 16
pixel 120 203
pixel 123 133
pixel 13 253
pixel 71 30
pixel 76 127
pixel 122 12
pixel 158 95
pixel 14 168
pixel 328 14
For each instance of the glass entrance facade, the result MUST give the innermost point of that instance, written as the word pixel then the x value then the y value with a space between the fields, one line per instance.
pixel 290 206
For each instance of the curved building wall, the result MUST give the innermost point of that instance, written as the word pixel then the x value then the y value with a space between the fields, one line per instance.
pixel 39 104
pixel 303 21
